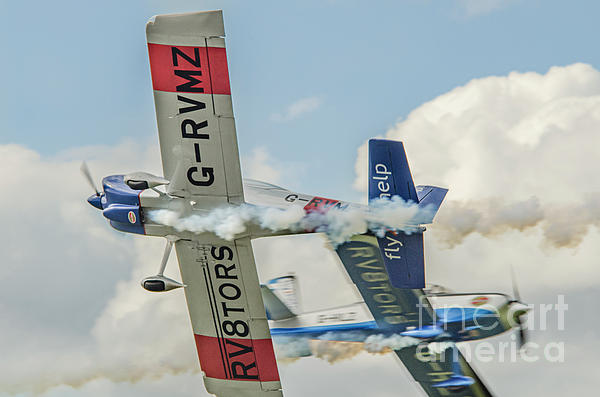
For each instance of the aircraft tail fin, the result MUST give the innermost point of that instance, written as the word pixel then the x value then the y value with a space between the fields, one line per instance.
pixel 280 297
pixel 389 173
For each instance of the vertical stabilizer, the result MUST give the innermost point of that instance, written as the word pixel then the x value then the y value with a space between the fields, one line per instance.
pixel 389 173
pixel 286 289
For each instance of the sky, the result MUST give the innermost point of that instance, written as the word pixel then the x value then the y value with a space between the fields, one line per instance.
pixel 498 100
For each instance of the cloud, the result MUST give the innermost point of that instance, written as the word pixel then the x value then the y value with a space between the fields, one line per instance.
pixel 298 108
pixel 77 323
pixel 503 140
pixel 72 308
pixel 260 165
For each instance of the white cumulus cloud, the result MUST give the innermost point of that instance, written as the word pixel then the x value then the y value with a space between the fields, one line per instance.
pixel 262 166
pixel 520 149
pixel 298 108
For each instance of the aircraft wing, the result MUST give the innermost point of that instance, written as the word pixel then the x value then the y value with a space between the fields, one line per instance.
pixel 200 158
pixel 431 368
pixel 228 317
pixel 395 309
pixel 194 112
pixel 389 176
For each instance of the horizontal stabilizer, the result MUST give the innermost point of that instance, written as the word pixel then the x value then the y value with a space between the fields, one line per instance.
pixel 276 309
pixel 286 289
pixel 430 200
pixel 403 258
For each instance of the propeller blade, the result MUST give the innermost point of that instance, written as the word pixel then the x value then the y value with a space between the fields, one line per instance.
pixel 88 175
pixel 515 287
pixel 522 336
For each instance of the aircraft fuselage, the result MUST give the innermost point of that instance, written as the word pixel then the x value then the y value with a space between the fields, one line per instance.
pixel 354 323
pixel 127 208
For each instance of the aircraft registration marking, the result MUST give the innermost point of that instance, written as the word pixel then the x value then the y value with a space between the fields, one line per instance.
pixel 195 74
pixel 322 205
pixel 336 317
pixel 192 74
pixel 232 354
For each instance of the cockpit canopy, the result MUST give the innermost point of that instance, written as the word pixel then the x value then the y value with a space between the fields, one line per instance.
pixel 253 183
pixel 436 289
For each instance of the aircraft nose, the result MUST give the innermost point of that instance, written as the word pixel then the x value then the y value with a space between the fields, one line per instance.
pixel 95 201
pixel 520 307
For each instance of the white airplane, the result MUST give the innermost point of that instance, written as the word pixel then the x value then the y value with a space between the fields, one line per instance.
pixel 202 173
pixel 402 321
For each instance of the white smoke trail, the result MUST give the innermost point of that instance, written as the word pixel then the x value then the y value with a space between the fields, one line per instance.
pixel 339 224
pixel 335 351
pixel 334 346
pixel 383 343
pixel 562 225
pixel 226 222
pixel 458 220
pixel 291 348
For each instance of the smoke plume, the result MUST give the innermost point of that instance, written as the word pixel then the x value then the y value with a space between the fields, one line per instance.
pixel 334 347
pixel 562 225
pixel 339 224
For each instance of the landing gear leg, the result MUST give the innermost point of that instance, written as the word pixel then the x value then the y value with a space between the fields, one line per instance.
pixel 160 283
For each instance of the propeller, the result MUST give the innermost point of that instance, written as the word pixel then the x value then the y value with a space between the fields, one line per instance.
pixel 88 175
pixel 519 313
pixel 515 287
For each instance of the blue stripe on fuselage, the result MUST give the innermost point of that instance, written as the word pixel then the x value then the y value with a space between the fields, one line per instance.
pixel 447 315
pixel 461 314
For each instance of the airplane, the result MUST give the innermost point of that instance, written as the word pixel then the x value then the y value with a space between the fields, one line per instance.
pixel 202 172
pixel 409 319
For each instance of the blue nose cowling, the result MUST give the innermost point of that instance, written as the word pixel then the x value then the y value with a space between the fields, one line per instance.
pixel 95 201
